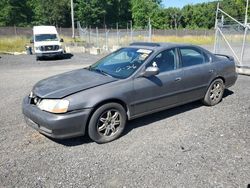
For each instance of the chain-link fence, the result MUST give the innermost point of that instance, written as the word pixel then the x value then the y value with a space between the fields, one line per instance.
pixel 232 38
pixel 112 38
pixel 28 32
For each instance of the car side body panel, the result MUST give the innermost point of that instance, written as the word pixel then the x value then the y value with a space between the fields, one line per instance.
pixel 156 92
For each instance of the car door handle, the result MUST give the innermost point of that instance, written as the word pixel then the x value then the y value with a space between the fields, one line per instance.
pixel 211 71
pixel 177 79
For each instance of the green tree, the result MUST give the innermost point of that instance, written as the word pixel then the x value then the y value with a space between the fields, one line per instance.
pixel 142 10
pixel 173 17
pixel 50 12
pixel 90 12
pixel 103 13
pixel 14 12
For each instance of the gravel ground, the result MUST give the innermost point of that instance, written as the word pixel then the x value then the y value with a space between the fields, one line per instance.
pixel 188 146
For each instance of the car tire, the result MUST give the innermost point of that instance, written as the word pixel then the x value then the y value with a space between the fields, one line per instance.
pixel 107 123
pixel 37 58
pixel 214 93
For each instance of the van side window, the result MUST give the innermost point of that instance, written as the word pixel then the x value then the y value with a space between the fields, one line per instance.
pixel 191 56
pixel 165 61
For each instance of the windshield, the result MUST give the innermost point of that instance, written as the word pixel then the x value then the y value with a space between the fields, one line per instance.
pixel 46 37
pixel 122 63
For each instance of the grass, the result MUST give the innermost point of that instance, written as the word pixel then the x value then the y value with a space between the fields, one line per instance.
pixel 17 44
pixel 198 40
pixel 13 44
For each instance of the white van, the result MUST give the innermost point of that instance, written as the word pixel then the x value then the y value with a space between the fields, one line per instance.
pixel 47 42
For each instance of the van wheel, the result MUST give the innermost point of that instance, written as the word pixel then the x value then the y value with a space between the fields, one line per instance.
pixel 214 93
pixel 107 123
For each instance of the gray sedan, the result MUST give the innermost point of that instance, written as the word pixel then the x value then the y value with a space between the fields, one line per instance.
pixel 131 82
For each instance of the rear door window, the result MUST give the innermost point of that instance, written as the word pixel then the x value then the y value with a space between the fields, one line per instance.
pixel 191 57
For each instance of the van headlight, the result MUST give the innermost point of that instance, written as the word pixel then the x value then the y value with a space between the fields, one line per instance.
pixel 54 105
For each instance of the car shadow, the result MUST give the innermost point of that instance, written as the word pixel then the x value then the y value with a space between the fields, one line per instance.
pixel 64 56
pixel 227 93
pixel 140 122
pixel 69 142
pixel 158 116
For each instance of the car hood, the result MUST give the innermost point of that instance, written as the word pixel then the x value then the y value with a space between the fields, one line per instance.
pixel 65 84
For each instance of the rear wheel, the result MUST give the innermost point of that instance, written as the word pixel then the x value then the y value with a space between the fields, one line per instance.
pixel 214 93
pixel 107 123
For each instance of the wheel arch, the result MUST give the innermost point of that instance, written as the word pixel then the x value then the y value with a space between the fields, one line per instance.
pixel 217 77
pixel 111 100
pixel 220 77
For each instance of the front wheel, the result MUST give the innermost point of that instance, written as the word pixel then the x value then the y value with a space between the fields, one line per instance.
pixel 107 123
pixel 214 93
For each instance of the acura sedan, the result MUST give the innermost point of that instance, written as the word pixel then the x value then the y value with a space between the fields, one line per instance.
pixel 131 82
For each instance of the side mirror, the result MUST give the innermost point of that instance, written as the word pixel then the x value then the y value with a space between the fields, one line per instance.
pixel 31 41
pixel 150 71
pixel 61 40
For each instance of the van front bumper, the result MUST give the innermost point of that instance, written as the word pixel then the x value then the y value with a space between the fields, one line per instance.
pixel 49 54
pixel 67 125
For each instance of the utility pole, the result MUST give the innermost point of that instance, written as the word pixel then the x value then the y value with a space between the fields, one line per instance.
pixel 72 19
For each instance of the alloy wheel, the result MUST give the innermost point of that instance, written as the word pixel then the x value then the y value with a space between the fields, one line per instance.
pixel 216 92
pixel 109 123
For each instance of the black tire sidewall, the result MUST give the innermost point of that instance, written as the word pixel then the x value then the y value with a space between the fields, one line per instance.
pixel 207 101
pixel 92 128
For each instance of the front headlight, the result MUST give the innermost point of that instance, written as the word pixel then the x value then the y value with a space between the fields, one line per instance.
pixel 54 105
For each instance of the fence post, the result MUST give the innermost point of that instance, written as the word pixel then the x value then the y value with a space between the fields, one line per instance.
pixel 131 31
pixel 117 33
pixel 243 44
pixel 150 30
pixel 216 28
pixel 15 30
pixel 106 41
pixel 97 37
pixel 245 32
pixel 89 34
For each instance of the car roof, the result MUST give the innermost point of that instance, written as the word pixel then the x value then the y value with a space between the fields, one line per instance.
pixel 161 45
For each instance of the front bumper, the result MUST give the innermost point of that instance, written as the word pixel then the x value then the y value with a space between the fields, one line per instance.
pixel 49 53
pixel 71 124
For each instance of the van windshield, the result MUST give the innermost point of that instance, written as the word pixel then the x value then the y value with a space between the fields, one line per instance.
pixel 46 37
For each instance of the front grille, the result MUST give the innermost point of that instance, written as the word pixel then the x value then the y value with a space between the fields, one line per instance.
pixel 49 48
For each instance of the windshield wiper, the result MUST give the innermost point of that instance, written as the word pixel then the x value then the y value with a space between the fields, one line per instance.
pixel 99 71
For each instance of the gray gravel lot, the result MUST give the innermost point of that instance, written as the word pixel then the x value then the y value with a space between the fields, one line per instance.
pixel 188 146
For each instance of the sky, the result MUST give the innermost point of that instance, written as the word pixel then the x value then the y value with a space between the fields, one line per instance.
pixel 181 3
